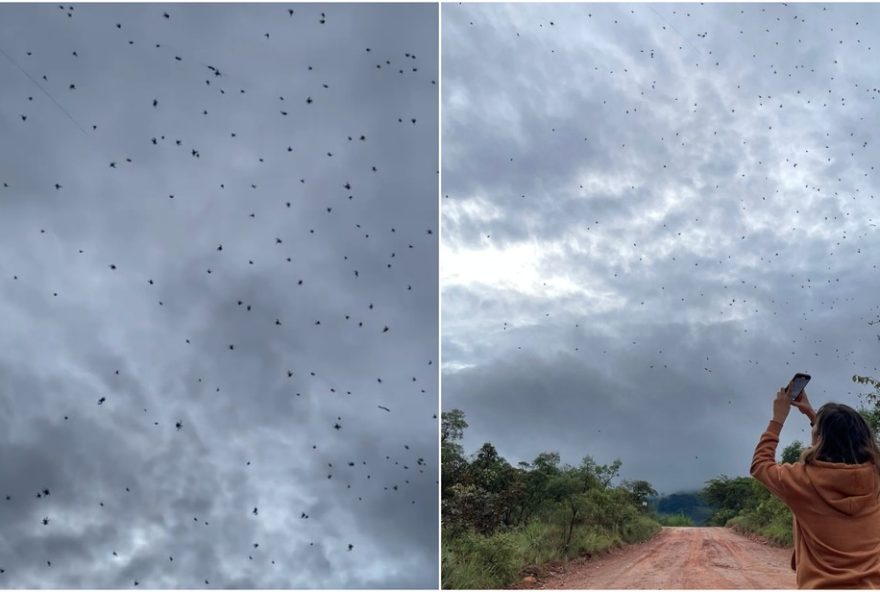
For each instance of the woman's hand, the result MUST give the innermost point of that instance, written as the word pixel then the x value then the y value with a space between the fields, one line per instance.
pixel 781 405
pixel 803 403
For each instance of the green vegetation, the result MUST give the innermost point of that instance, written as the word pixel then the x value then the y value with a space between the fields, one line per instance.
pixel 690 504
pixel 745 504
pixel 499 519
pixel 680 519
pixel 871 413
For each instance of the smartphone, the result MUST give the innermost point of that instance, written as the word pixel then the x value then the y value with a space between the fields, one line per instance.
pixel 797 384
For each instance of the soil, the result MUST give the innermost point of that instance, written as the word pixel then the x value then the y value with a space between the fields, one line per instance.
pixel 679 557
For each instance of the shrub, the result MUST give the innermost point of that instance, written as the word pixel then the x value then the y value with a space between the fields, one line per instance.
pixel 679 519
pixel 771 519
pixel 639 529
pixel 538 543
pixel 592 542
pixel 475 561
pixel 721 517
pixel 471 560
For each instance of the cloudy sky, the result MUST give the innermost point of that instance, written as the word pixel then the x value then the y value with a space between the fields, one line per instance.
pixel 218 259
pixel 652 216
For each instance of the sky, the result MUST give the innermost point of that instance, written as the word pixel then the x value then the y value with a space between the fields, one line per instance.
pixel 219 293
pixel 652 217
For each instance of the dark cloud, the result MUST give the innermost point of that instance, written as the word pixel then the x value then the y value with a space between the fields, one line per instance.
pixel 106 295
pixel 653 215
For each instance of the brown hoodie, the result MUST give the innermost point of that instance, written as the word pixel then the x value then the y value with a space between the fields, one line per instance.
pixel 836 511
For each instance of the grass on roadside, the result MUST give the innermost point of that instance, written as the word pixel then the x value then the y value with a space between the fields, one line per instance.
pixel 474 561
pixel 679 519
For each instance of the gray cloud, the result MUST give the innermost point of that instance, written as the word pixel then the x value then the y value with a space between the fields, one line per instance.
pixel 258 419
pixel 653 215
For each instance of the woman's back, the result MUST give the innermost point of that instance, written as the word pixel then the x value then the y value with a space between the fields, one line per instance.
pixel 836 512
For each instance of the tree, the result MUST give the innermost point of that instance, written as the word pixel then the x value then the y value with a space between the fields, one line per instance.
pixel 495 485
pixel 871 413
pixel 600 475
pixel 489 470
pixel 453 463
pixel 792 452
pixel 566 490
pixel 480 493
pixel 533 479
pixel 452 426
pixel 640 491
pixel 469 506
pixel 547 463
pixel 728 497
pixel 561 507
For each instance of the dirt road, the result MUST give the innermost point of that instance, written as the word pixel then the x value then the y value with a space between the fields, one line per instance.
pixel 683 558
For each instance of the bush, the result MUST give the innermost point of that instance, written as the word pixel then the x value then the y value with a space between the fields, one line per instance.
pixel 471 560
pixel 538 543
pixel 475 561
pixel 640 529
pixel 679 519
pixel 592 542
pixel 722 517
pixel 771 519
pixel 779 534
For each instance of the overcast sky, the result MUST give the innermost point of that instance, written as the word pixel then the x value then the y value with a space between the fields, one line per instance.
pixel 652 217
pixel 226 252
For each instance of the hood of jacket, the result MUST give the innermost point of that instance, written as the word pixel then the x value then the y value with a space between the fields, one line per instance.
pixel 846 488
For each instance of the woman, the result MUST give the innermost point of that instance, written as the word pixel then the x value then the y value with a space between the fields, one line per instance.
pixel 833 492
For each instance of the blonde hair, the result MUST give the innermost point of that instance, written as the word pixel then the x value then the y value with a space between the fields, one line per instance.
pixel 842 436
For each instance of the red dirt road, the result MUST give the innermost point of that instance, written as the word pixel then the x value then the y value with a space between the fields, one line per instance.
pixel 683 558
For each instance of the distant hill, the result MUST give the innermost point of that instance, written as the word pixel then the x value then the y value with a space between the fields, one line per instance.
pixel 683 502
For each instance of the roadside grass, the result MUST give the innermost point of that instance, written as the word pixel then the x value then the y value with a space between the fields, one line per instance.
pixel 776 531
pixel 769 518
pixel 679 519
pixel 473 561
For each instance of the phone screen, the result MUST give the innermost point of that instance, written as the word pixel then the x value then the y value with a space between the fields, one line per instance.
pixel 797 385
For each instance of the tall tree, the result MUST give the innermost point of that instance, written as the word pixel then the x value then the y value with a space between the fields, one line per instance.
pixel 640 491
pixel 728 497
pixel 792 452
pixel 453 463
